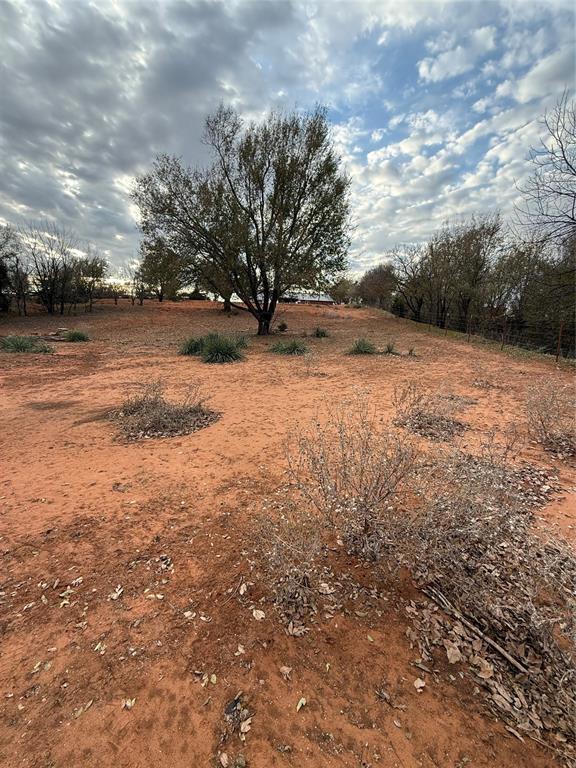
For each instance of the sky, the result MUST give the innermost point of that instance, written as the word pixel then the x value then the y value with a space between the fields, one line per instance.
pixel 434 106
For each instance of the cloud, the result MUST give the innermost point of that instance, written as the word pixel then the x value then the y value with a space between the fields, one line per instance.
pixel 92 91
pixel 459 59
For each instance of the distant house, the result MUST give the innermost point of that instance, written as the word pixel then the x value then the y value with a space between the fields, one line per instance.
pixel 308 298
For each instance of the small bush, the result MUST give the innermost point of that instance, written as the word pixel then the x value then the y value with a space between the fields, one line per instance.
pixel 426 414
pixel 362 347
pixel 550 412
pixel 148 414
pixel 214 348
pixel 321 333
pixel 222 349
pixel 411 352
pixel 282 327
pixel 192 346
pixel 292 347
pixel 390 348
pixel 76 336
pixel 25 344
pixel 351 471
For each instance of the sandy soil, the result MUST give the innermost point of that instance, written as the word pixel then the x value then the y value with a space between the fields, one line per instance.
pixel 82 513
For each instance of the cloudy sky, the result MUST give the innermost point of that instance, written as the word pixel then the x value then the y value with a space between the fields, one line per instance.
pixel 434 105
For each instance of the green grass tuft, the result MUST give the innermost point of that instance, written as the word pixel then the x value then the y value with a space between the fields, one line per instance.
pixel 321 333
pixel 222 349
pixel 362 347
pixel 292 347
pixel 76 336
pixel 24 344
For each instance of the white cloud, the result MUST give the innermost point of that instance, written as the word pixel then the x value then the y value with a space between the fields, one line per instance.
pixel 459 59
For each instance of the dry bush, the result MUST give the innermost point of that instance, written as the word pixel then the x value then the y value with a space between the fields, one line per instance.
pixel 291 547
pixel 350 470
pixel 147 414
pixel 426 414
pixel 474 550
pixel 551 413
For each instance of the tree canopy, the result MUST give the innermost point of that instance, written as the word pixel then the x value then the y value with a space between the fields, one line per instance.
pixel 270 215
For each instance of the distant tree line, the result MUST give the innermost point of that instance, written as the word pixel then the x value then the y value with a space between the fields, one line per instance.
pixel 515 283
pixel 48 264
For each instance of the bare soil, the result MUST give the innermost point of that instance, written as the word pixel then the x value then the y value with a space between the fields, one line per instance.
pixel 122 562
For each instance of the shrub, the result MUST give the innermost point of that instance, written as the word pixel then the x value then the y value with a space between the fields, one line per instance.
pixel 192 346
pixel 426 414
pixel 76 336
pixel 148 414
pixel 351 470
pixel 292 347
pixel 473 549
pixel 550 411
pixel 321 333
pixel 222 349
pixel 25 344
pixel 214 348
pixel 282 326
pixel 362 347
pixel 390 348
pixel 411 352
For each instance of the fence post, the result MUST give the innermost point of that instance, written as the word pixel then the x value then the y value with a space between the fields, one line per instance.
pixel 559 344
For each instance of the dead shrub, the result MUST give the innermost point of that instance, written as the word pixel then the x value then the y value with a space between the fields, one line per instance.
pixel 473 549
pixel 350 470
pixel 427 414
pixel 551 411
pixel 147 414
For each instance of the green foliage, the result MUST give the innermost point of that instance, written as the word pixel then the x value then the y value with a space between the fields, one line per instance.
pixel 76 336
pixel 362 347
pixel 390 348
pixel 321 333
pixel 214 348
pixel 292 347
pixel 24 344
pixel 222 349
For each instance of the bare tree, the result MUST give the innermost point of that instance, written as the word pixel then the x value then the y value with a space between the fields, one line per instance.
pixel 50 250
pixel 549 206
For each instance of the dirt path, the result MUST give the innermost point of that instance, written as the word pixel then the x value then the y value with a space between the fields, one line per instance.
pixel 165 528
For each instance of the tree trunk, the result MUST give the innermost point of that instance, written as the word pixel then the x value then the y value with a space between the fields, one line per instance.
pixel 264 324
pixel 227 305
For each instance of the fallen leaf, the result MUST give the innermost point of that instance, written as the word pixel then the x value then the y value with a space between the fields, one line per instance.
pixel 300 704
pixel 128 703
pixel 419 684
pixel 224 762
pixel 285 672
pixel 258 614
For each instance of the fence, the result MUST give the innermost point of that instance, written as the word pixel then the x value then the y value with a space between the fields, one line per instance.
pixel 551 337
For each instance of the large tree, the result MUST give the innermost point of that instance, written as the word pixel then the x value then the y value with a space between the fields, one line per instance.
pixel 376 285
pixel 162 269
pixel 272 211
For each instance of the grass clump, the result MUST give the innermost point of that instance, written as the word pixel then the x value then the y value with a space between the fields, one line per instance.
pixel 390 349
pixel 148 414
pixel 427 414
pixel 282 327
pixel 76 336
pixel 362 347
pixel 321 333
pixel 292 347
pixel 214 348
pixel 24 344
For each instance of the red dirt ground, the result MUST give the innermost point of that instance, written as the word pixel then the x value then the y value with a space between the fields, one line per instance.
pixel 81 513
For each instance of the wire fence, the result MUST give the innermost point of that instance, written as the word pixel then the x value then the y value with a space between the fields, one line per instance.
pixel 547 336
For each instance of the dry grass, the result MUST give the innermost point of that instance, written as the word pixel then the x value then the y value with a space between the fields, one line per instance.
pixel 148 414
